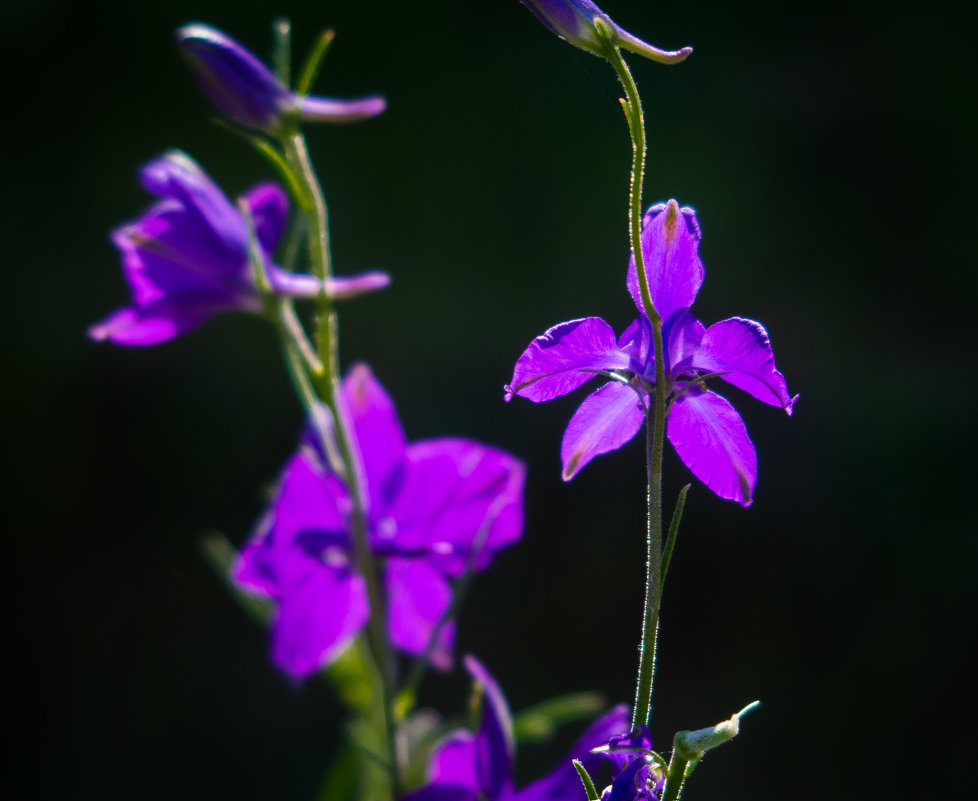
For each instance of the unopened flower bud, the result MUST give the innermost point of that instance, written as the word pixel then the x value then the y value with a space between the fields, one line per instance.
pixel 583 24
pixel 692 745
pixel 244 89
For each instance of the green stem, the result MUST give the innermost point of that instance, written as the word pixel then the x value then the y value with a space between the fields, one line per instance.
pixel 675 777
pixel 655 421
pixel 327 384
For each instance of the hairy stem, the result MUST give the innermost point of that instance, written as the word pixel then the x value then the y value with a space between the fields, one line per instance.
pixel 327 385
pixel 655 421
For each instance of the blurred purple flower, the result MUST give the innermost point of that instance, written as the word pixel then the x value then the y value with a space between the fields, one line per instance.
pixel 574 22
pixel 704 428
pixel 470 767
pixel 244 89
pixel 186 259
pixel 433 507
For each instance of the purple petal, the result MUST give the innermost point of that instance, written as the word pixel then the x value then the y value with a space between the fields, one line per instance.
pixel 573 21
pixel 232 78
pixel 310 499
pixel 269 208
pixel 328 109
pixel 627 785
pixel 453 761
pixel 626 746
pixel 564 782
pixel 740 348
pixel 682 334
pixel 306 529
pixel 608 418
pixel 378 431
pixel 636 341
pixel 552 365
pixel 350 286
pixel 670 245
pixel 494 742
pixel 299 285
pixel 177 176
pixel 457 497
pixel 153 324
pixel 711 439
pixel 441 792
pixel 417 597
pixel 317 619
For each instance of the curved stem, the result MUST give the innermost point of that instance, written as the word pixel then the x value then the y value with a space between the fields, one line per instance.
pixel 655 421
pixel 327 385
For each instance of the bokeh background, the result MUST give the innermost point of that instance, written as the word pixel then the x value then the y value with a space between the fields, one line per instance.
pixel 829 150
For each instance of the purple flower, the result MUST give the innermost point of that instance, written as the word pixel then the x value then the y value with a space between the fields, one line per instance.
pixel 186 259
pixel 706 431
pixel 245 90
pixel 635 777
pixel 470 767
pixel 433 507
pixel 574 21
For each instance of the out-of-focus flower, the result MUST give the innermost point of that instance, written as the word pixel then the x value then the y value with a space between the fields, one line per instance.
pixel 575 22
pixel 704 428
pixel 435 508
pixel 244 89
pixel 186 258
pixel 469 767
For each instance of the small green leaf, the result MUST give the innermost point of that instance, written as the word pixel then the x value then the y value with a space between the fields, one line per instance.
pixel 589 788
pixel 314 62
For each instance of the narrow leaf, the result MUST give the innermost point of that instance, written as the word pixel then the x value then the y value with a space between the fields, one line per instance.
pixel 677 516
pixel 540 722
pixel 592 793
pixel 314 62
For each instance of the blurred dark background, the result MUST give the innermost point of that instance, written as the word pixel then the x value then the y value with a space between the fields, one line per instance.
pixel 829 150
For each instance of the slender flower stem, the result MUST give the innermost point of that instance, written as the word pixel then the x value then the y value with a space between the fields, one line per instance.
pixel 655 420
pixel 675 777
pixel 327 385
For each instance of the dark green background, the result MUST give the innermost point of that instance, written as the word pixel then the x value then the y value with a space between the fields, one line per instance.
pixel 829 152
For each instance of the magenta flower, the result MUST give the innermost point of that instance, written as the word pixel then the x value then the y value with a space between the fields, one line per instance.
pixel 470 767
pixel 704 428
pixel 574 22
pixel 186 259
pixel 434 507
pixel 244 89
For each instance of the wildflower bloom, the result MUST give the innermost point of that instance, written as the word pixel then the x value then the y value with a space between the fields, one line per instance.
pixel 244 89
pixel 635 777
pixel 469 767
pixel 186 258
pixel 704 428
pixel 435 508
pixel 575 22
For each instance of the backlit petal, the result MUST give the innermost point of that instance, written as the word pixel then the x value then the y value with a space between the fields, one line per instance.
pixel 457 496
pixel 607 419
pixel 552 365
pixel 711 439
pixel 269 208
pixel 317 620
pixel 494 742
pixel 670 245
pixel 417 597
pixel 741 349
pixel 378 432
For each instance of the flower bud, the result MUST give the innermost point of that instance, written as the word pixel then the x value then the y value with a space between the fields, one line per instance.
pixel 583 24
pixel 244 89
pixel 692 745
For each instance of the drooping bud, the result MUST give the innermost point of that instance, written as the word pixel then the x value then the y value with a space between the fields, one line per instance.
pixel 244 89
pixel 583 24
